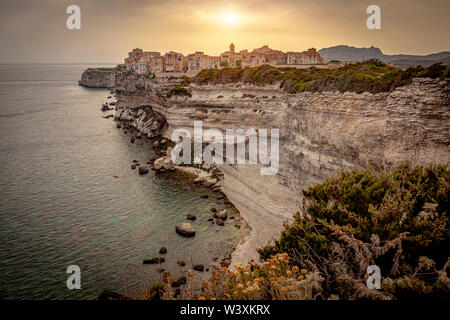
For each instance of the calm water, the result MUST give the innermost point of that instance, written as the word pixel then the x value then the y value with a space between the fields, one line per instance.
pixel 60 203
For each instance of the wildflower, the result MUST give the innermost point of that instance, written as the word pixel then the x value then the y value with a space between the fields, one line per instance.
pixel 295 269
pixel 300 277
pixel 304 271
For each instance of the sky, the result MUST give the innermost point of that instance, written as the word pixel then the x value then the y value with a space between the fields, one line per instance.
pixel 35 31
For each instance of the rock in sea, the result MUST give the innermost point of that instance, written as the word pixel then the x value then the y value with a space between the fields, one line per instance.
pixel 185 229
pixel 163 250
pixel 143 170
pixel 154 261
pixel 198 267
pixel 221 215
pixel 190 217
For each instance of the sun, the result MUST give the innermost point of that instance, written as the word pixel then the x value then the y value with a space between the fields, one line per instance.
pixel 231 18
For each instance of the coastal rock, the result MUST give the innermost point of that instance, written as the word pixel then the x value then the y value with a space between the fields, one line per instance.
pixel 111 295
pixel 190 217
pixel 143 170
pixel 208 182
pixel 220 222
pixel 167 163
pixel 98 78
pixel 198 267
pixel 163 250
pixel 185 229
pixel 221 215
pixel 198 180
pixel 180 281
pixel 154 261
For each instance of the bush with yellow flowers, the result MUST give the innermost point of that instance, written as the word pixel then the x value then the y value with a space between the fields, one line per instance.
pixel 275 279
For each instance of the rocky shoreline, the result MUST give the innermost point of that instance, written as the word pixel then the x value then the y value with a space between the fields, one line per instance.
pixel 144 127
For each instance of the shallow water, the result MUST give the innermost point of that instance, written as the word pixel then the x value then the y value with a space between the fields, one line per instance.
pixel 60 203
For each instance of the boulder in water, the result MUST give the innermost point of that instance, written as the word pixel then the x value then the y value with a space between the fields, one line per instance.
pixel 185 229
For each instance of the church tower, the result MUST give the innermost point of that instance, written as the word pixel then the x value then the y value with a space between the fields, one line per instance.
pixel 232 48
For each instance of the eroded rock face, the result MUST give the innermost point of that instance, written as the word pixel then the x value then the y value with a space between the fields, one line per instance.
pixel 147 121
pixel 320 133
pixel 98 78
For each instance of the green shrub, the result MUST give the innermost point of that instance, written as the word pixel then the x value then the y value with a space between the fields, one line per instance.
pixel 178 91
pixel 397 220
pixel 369 76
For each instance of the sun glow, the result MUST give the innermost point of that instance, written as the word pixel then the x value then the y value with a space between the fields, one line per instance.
pixel 231 18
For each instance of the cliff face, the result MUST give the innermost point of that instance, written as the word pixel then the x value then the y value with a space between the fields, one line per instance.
pixel 320 133
pixel 98 78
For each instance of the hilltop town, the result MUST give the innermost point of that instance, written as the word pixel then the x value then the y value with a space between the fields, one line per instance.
pixel 145 62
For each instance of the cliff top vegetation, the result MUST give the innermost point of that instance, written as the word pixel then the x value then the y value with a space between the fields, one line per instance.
pixel 369 76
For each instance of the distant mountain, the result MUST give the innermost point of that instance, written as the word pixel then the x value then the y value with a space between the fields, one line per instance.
pixel 346 53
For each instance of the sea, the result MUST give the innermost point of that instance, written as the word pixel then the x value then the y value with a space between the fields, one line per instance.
pixel 68 195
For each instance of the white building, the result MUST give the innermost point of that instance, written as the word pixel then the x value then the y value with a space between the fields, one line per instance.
pixel 141 66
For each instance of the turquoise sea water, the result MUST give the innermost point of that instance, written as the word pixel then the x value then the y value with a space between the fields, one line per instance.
pixel 61 205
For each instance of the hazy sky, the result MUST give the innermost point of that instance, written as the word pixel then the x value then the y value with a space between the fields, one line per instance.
pixel 35 31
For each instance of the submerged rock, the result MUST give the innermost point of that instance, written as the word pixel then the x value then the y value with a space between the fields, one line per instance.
pixel 154 261
pixel 185 229
pixel 198 267
pixel 190 217
pixel 143 170
pixel 220 222
pixel 111 295
pixel 163 250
